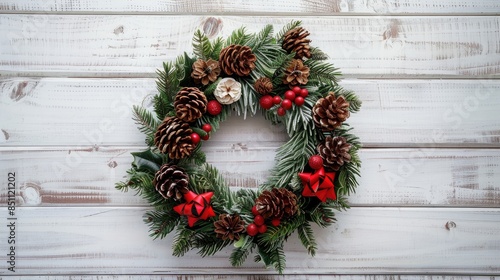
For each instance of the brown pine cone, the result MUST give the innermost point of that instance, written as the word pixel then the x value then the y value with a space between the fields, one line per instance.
pixel 173 137
pixel 295 40
pixel 335 152
pixel 190 104
pixel 329 112
pixel 296 74
pixel 205 72
pixel 263 85
pixel 229 227
pixel 276 204
pixel 171 181
pixel 237 59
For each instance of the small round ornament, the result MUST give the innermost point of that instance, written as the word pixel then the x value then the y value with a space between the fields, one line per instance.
pixel 316 162
pixel 214 107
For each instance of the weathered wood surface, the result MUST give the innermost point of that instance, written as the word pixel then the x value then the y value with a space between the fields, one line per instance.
pixel 135 45
pixel 255 7
pixel 255 277
pixel 98 112
pixel 429 197
pixel 390 177
pixel 110 240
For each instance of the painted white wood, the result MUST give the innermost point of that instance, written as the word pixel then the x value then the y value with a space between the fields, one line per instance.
pixel 372 240
pixel 390 177
pixel 98 112
pixel 254 277
pixel 134 45
pixel 255 7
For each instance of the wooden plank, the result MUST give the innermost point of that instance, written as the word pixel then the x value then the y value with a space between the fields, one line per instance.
pixel 395 113
pixel 390 177
pixel 134 45
pixel 254 277
pixel 112 240
pixel 255 7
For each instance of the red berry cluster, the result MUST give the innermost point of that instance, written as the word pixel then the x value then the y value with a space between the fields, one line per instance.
pixel 258 225
pixel 196 138
pixel 296 95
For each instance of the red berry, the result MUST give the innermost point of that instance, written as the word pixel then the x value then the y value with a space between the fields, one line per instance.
pixel 296 89
pixel 304 92
pixel 281 111
pixel 299 101
pixel 254 211
pixel 252 230
pixel 214 107
pixel 316 162
pixel 258 220
pixel 275 222
pixel 286 104
pixel 262 228
pixel 206 127
pixel 276 100
pixel 266 102
pixel 206 137
pixel 195 138
pixel 290 95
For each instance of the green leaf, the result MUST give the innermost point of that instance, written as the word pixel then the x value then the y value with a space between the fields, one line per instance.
pixel 147 161
pixel 201 45
pixel 240 253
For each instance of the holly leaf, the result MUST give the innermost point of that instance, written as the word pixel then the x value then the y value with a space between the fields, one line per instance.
pixel 147 161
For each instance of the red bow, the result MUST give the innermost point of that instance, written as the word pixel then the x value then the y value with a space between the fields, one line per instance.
pixel 319 184
pixel 197 207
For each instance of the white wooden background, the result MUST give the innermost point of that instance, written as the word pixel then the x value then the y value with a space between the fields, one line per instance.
pixel 427 72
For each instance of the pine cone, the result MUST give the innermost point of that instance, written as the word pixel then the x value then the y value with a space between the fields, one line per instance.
pixel 229 227
pixel 173 137
pixel 295 41
pixel 276 204
pixel 335 152
pixel 296 74
pixel 171 181
pixel 329 112
pixel 190 104
pixel 263 85
pixel 205 72
pixel 237 59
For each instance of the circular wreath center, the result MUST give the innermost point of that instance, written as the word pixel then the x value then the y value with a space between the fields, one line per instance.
pixel 287 81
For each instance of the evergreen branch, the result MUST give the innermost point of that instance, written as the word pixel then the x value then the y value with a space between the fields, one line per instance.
pixel 291 158
pixel 240 254
pixel 238 37
pixel 209 244
pixel 352 98
pixel 202 47
pixel 182 241
pixel 291 25
pixel 317 54
pixel 321 72
pixel 217 46
pixel 278 259
pixel 275 235
pixel 146 121
pixel 262 38
pixel 161 222
pixel 306 236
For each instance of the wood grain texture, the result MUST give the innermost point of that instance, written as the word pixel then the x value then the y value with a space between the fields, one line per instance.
pixel 255 7
pixel 373 240
pixel 134 45
pixel 254 277
pixel 390 177
pixel 395 113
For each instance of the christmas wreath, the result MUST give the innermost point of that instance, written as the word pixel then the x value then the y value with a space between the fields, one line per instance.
pixel 291 83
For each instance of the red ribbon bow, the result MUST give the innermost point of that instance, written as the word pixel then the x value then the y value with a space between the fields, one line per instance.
pixel 197 207
pixel 319 184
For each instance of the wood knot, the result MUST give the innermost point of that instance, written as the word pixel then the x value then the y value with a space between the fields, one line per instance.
pixel 450 224
pixel 212 26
